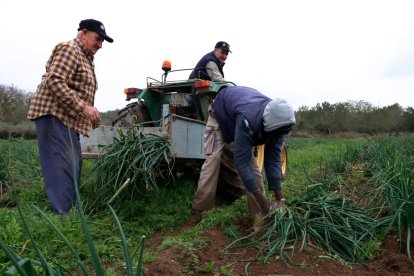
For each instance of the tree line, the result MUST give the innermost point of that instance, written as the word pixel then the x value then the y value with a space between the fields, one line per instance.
pixel 14 105
pixel 324 118
pixel 355 116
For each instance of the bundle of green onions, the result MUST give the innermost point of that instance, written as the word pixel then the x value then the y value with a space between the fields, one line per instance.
pixel 131 165
pixel 332 224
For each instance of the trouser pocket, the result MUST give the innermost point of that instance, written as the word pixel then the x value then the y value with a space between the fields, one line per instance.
pixel 209 140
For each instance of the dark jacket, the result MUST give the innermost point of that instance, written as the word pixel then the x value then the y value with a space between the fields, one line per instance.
pixel 200 71
pixel 243 145
pixel 239 111
pixel 240 100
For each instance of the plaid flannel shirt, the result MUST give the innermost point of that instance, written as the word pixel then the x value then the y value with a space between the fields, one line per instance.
pixel 67 86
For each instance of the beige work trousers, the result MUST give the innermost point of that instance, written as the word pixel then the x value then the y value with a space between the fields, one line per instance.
pixel 207 184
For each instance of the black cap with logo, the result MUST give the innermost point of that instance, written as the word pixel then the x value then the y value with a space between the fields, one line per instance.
pixel 223 45
pixel 94 26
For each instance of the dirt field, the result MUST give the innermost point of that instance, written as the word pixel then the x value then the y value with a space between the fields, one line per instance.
pixel 172 262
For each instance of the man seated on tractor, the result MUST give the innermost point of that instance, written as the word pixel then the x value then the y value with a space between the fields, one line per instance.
pixel 210 66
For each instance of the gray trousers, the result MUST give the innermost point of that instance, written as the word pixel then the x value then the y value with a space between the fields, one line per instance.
pixel 207 184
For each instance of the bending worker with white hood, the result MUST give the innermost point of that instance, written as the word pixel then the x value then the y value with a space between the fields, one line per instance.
pixel 248 118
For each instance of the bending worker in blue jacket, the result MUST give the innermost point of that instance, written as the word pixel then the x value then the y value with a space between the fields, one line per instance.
pixel 248 118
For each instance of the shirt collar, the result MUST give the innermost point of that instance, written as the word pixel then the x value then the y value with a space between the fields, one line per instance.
pixel 88 53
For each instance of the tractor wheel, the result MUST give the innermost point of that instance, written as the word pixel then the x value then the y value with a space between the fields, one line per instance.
pixel 133 113
pixel 283 159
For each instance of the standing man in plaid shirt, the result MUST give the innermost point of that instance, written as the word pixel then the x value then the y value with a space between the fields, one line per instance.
pixel 63 108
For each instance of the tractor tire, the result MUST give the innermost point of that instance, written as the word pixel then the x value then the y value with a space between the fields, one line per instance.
pixel 283 159
pixel 133 113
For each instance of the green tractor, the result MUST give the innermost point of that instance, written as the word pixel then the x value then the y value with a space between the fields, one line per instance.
pixel 173 109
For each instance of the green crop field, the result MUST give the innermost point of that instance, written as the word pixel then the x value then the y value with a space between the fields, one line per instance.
pixel 368 175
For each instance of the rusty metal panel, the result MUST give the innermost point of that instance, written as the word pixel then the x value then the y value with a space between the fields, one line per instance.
pixel 103 135
pixel 186 137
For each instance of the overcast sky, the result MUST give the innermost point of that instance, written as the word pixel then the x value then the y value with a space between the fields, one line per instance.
pixel 306 52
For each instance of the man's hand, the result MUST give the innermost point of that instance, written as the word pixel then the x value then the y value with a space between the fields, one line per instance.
pixel 92 114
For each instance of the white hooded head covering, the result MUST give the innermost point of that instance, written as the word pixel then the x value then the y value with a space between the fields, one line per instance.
pixel 278 113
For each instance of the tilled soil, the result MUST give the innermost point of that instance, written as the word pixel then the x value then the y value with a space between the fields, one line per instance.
pixel 212 259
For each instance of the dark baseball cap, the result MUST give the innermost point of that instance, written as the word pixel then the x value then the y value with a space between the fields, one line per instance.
pixel 223 45
pixel 94 26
